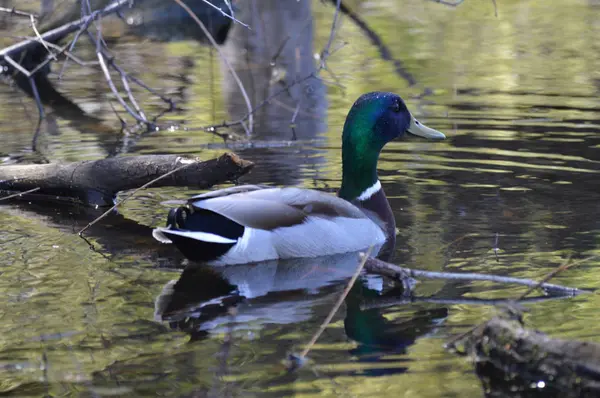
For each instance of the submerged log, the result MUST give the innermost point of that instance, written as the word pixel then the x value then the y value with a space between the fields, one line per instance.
pixel 515 361
pixel 97 182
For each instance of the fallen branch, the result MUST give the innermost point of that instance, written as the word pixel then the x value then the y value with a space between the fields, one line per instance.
pixel 96 183
pixel 407 275
pixel 187 163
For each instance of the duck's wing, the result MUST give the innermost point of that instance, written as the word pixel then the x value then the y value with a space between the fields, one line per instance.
pixel 273 208
pixel 227 191
pixel 214 194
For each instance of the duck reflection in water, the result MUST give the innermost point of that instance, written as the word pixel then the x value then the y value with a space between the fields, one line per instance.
pixel 292 292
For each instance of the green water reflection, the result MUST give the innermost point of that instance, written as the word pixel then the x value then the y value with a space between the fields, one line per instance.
pixel 516 94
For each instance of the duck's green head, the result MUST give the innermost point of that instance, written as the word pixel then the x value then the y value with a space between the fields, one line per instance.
pixel 374 120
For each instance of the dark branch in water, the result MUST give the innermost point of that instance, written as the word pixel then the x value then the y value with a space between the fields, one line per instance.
pixel 384 50
pixel 495 8
pixel 96 183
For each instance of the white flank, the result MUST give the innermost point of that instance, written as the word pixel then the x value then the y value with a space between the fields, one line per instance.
pixel 198 235
pixel 319 237
pixel 372 190
pixel 313 238
pixel 255 245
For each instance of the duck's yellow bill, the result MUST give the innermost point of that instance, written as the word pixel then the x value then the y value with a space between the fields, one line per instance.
pixel 418 128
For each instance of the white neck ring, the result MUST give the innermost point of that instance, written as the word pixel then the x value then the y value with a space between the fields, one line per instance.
pixel 372 190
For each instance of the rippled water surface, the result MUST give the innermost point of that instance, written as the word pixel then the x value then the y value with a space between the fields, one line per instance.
pixel 517 96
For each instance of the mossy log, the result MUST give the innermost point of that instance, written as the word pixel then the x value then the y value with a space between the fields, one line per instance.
pixel 97 182
pixel 518 362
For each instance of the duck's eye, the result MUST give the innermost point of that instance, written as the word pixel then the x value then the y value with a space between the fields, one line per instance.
pixel 396 106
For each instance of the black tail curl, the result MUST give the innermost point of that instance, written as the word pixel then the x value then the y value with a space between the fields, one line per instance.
pixel 177 217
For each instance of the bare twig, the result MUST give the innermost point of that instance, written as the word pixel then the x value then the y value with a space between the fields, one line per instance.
pixel 259 106
pixel 325 52
pixel 223 355
pixel 496 248
pixel 16 12
pixel 37 34
pixel 59 51
pixel 293 121
pixel 137 114
pixel 113 88
pixel 19 194
pixel 337 305
pixel 82 29
pixel 62 31
pixel 565 266
pixel 224 58
pixel 449 3
pixel 396 272
pixel 17 66
pixel 104 60
pixel 225 14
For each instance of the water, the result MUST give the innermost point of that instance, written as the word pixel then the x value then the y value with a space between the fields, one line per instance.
pixel 517 96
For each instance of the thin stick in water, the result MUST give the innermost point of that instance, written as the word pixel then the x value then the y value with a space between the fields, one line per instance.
pixel 19 194
pixel 565 266
pixel 337 305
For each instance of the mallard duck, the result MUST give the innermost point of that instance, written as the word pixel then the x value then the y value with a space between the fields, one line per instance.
pixel 251 223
